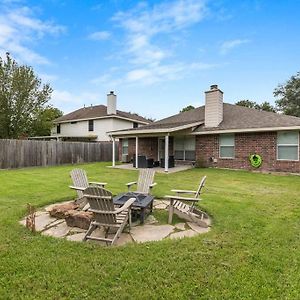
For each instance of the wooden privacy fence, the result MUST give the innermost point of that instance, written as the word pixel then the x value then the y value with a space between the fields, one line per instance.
pixel 28 153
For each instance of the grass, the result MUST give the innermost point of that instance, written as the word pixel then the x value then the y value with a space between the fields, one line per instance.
pixel 252 251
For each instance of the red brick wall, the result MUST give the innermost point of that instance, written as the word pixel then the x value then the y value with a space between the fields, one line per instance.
pixel 264 144
pixel 147 147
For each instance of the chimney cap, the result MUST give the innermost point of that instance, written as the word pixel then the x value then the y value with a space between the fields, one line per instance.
pixel 111 93
pixel 213 88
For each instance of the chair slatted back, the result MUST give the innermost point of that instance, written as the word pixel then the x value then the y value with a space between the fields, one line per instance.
pixel 201 185
pixel 79 179
pixel 102 200
pixel 146 177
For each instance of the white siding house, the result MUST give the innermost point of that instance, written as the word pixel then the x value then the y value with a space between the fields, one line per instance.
pixel 94 122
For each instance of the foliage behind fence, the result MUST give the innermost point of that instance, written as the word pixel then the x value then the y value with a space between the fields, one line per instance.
pixel 28 153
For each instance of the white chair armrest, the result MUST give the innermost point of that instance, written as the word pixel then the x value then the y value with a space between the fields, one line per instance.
pixel 131 183
pixel 152 185
pixel 184 191
pixel 182 198
pixel 127 204
pixel 98 183
pixel 77 188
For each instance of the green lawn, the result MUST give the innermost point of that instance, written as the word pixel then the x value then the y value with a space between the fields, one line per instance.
pixel 252 251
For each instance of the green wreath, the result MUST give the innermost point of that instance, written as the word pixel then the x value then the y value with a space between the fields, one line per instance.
pixel 255 160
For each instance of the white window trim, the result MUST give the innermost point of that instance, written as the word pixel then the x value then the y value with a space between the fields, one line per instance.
pixel 223 157
pixel 125 146
pixel 184 149
pixel 284 145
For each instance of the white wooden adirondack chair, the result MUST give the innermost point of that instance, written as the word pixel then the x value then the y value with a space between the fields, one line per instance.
pixel 105 214
pixel 145 181
pixel 80 182
pixel 189 212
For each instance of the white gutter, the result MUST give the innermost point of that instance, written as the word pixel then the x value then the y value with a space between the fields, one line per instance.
pixel 147 131
pixel 247 130
pixel 98 118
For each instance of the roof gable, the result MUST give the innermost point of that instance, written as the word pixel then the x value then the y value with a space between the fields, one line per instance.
pixel 98 111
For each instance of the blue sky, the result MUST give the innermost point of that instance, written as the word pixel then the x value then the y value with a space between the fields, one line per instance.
pixel 158 56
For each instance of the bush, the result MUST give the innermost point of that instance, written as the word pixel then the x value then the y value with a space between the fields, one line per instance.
pixel 200 163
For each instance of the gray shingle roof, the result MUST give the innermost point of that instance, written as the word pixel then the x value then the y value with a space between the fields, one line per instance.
pixel 240 117
pixel 97 111
pixel 234 117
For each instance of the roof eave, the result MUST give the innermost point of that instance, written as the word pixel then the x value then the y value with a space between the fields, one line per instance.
pixel 262 129
pixel 152 131
pixel 98 118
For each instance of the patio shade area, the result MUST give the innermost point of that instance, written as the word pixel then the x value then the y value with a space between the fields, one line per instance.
pixel 176 169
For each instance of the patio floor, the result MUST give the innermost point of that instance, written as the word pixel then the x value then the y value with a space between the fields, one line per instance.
pixel 157 169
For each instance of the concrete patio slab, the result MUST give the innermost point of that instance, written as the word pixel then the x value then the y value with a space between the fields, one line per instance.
pixel 197 228
pixel 58 231
pixel 74 230
pixel 149 233
pixel 182 234
pixel 76 237
pixel 43 221
pixel 180 226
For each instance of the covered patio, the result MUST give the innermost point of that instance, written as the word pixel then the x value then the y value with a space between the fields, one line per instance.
pixel 168 149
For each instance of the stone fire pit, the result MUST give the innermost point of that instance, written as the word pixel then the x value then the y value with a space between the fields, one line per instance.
pixel 66 220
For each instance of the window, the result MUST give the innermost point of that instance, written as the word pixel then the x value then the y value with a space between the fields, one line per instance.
pixel 135 125
pixel 125 147
pixel 58 129
pixel 288 145
pixel 226 145
pixel 91 125
pixel 184 148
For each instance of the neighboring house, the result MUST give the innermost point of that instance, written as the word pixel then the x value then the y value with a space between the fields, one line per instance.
pixel 92 123
pixel 218 135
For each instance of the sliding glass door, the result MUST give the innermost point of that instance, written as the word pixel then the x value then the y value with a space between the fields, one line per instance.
pixel 184 148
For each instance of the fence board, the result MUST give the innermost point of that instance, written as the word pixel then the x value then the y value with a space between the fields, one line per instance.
pixel 28 153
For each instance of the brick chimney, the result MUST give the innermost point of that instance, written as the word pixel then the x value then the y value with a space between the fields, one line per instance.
pixel 213 106
pixel 111 103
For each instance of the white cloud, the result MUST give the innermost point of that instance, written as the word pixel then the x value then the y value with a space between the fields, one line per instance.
pixel 143 24
pixel 158 73
pixel 164 17
pixel 68 101
pixel 99 35
pixel 227 46
pixel 46 78
pixel 148 41
pixel 19 28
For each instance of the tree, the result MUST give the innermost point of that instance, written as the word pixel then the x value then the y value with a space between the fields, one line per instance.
pixel 187 108
pixel 22 97
pixel 44 121
pixel 266 106
pixel 289 96
pixel 246 103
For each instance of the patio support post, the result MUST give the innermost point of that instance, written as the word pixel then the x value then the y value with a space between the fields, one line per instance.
pixel 166 153
pixel 136 151
pixel 113 152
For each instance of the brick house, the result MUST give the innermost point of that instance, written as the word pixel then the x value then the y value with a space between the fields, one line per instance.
pixel 217 135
